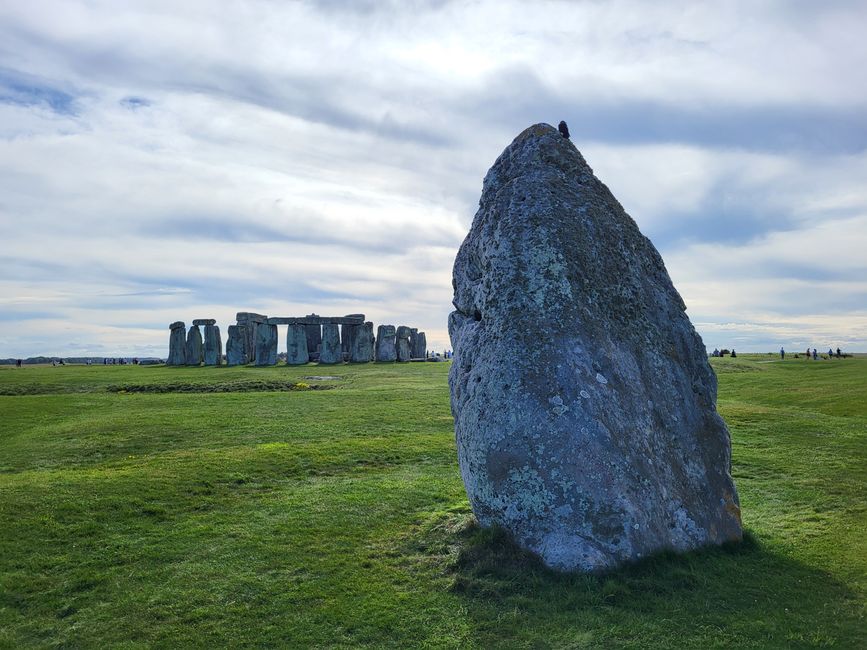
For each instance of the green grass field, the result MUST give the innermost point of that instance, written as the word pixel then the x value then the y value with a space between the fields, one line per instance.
pixel 212 507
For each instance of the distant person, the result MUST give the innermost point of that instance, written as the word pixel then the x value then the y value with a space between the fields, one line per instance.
pixel 564 130
pixel 734 354
pixel 830 353
pixel 19 362
pixel 782 353
pixel 815 356
pixel 808 354
pixel 838 353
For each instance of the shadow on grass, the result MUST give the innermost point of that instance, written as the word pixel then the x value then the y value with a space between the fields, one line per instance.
pixel 737 594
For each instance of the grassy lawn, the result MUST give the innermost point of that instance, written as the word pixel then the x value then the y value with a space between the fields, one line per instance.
pixel 210 507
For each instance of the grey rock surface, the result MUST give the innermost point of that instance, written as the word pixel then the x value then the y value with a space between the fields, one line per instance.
pixel 195 349
pixel 403 350
pixel 213 346
pixel 362 349
pixel 386 339
pixel 205 321
pixel 177 344
pixel 296 345
pixel 419 345
pixel 250 321
pixel 584 405
pixel 236 351
pixel 330 351
pixel 347 332
pixel 266 344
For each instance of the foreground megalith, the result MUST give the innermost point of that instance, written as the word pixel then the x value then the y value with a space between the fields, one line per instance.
pixel 584 405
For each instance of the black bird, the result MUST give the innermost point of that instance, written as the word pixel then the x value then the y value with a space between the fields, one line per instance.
pixel 564 130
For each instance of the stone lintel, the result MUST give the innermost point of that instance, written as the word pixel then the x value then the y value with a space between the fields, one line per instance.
pixel 316 320
pixel 177 324
pixel 250 317
pixel 204 321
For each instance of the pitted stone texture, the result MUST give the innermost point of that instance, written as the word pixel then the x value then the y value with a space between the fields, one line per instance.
pixel 386 337
pixel 236 354
pixel 195 348
pixel 330 351
pixel 362 343
pixel 213 346
pixel 296 345
pixel 585 408
pixel 403 349
pixel 177 344
pixel 266 344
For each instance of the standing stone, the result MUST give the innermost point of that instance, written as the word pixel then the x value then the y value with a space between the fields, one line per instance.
pixel 213 346
pixel 249 321
pixel 236 354
pixel 404 352
pixel 195 350
pixel 386 337
pixel 177 344
pixel 314 337
pixel 330 351
pixel 296 345
pixel 413 345
pixel 362 344
pixel 418 344
pixel 347 332
pixel 584 405
pixel 266 344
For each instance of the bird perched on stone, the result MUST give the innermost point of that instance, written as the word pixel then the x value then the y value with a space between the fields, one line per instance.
pixel 564 130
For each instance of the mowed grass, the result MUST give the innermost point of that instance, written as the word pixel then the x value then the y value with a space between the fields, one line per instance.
pixel 337 518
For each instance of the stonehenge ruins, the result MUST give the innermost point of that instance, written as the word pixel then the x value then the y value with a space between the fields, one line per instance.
pixel 326 339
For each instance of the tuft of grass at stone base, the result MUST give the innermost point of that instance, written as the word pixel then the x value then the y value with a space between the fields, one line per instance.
pixel 217 507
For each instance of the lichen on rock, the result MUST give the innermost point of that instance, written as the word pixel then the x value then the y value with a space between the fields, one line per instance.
pixel 585 409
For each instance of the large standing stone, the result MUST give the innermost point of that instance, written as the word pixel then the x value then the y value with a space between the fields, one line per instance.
pixel 314 337
pixel 404 352
pixel 585 408
pixel 386 337
pixel 330 351
pixel 362 343
pixel 236 353
pixel 266 344
pixel 250 321
pixel 213 346
pixel 347 332
pixel 418 344
pixel 195 349
pixel 177 344
pixel 296 345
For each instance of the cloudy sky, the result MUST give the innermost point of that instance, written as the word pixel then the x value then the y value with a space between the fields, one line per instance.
pixel 195 159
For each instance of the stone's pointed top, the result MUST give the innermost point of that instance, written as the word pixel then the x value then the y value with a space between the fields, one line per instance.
pixel 204 321
pixel 177 324
pixel 538 150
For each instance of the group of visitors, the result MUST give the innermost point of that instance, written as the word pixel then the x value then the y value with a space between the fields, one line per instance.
pixel 813 354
